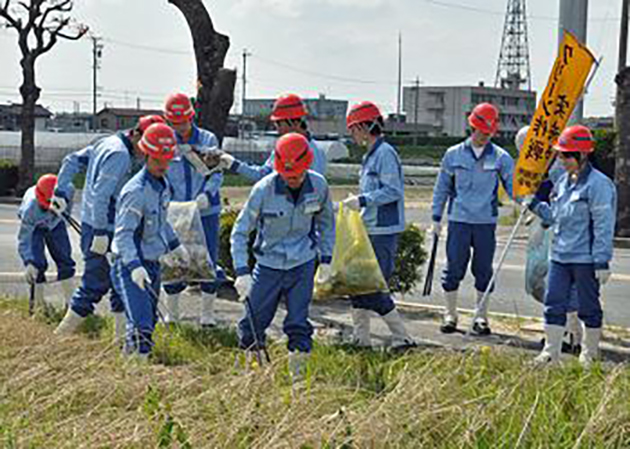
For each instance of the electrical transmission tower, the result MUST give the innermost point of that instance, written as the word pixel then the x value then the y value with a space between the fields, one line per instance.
pixel 513 70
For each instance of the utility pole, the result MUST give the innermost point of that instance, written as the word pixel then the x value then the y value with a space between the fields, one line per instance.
pixel 573 18
pixel 138 103
pixel 622 125
pixel 399 90
pixel 246 54
pixel 416 104
pixel 97 54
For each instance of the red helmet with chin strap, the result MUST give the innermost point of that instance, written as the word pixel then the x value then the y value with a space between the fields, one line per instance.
pixel 178 108
pixel 485 118
pixel 288 107
pixel 293 155
pixel 44 190
pixel 158 142
pixel 364 112
pixel 576 138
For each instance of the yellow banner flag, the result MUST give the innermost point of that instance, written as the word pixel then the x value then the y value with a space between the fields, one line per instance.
pixel 564 90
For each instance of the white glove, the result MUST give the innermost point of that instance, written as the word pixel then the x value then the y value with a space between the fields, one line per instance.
pixel 202 201
pixel 324 273
pixel 436 228
pixel 352 202
pixel 140 277
pixel 226 161
pixel 602 276
pixel 58 204
pixel 100 244
pixel 243 285
pixel 30 273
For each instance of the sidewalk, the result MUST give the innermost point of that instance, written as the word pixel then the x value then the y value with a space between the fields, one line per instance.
pixel 333 325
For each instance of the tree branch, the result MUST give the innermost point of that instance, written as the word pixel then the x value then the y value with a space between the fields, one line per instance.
pixel 13 22
pixel 65 6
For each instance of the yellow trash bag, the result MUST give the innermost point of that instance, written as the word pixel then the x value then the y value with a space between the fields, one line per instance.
pixel 354 268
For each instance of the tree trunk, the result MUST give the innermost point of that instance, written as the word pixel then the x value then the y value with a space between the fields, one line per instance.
pixel 622 166
pixel 30 95
pixel 215 94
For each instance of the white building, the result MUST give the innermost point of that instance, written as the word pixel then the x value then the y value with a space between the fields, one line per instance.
pixel 447 107
pixel 326 116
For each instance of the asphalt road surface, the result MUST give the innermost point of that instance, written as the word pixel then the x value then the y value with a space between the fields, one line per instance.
pixel 510 296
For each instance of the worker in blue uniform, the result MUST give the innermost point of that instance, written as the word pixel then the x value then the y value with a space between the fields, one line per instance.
pixel 292 213
pixel 188 184
pixel 468 187
pixel 108 164
pixel 42 228
pixel 288 116
pixel 381 201
pixel 582 215
pixel 143 236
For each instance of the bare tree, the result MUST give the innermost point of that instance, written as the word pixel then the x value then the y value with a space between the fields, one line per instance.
pixel 215 94
pixel 39 24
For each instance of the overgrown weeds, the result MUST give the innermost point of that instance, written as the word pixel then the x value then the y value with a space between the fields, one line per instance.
pixel 80 392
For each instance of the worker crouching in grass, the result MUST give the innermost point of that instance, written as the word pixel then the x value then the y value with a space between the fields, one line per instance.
pixel 292 213
pixel 142 236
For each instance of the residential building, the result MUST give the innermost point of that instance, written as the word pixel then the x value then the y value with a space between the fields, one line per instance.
pixel 11 117
pixel 446 108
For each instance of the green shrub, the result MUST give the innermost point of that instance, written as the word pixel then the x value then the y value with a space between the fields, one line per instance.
pixel 9 177
pixel 228 217
pixel 411 253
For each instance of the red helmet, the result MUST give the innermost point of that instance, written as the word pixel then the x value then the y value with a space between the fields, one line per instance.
pixel 147 120
pixel 159 142
pixel 365 111
pixel 288 107
pixel 44 190
pixel 293 155
pixel 485 118
pixel 178 108
pixel 576 138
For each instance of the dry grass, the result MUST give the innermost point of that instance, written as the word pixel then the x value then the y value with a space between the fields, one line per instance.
pixel 80 392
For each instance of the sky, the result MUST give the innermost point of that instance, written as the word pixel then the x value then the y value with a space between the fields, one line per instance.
pixel 345 49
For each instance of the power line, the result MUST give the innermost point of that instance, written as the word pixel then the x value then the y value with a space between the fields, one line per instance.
pixel 319 74
pixel 499 13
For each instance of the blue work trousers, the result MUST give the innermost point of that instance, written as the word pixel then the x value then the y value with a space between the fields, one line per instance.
pixel 141 306
pixel 57 242
pixel 462 238
pixel 563 278
pixel 96 279
pixel 385 248
pixel 268 288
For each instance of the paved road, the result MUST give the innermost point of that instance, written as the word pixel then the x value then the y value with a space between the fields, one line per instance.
pixel 509 297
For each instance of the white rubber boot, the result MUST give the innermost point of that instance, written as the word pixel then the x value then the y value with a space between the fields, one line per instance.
pixel 172 309
pixel 590 345
pixel 449 323
pixel 69 324
pixel 207 310
pixel 553 345
pixel 120 326
pixel 39 296
pixel 400 337
pixel 361 323
pixel 67 287
pixel 574 327
pixel 480 322
pixel 298 362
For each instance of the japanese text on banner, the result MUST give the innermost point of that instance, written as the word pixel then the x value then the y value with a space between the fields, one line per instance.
pixel 564 90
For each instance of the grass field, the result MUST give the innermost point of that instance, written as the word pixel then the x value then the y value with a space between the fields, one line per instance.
pixel 81 392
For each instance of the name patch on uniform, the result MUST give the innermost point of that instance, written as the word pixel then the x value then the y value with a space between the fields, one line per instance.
pixel 311 206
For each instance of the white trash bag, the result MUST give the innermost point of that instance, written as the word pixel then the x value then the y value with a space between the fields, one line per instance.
pixel 185 219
